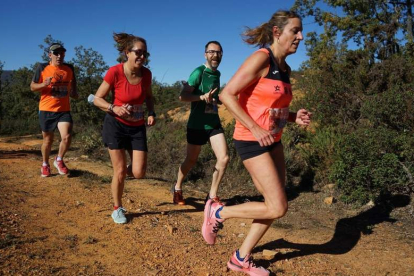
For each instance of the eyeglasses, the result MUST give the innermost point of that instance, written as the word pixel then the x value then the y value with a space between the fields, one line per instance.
pixel 140 52
pixel 212 52
pixel 57 53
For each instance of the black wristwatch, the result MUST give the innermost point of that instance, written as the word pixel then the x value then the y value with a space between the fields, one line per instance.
pixel 152 113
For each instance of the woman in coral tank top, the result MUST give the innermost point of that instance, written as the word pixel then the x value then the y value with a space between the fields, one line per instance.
pixel 258 96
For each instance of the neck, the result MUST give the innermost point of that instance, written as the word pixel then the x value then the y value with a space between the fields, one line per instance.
pixel 279 57
pixel 209 67
pixel 131 70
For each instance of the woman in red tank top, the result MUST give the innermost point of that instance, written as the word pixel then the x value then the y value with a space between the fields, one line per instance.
pixel 258 96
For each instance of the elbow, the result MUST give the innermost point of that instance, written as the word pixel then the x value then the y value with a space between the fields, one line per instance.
pixel 181 98
pixel 223 98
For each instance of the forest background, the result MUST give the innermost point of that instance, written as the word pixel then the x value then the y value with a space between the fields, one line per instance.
pixel 362 137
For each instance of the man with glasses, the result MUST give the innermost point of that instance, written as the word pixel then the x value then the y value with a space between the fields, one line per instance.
pixel 204 125
pixel 56 82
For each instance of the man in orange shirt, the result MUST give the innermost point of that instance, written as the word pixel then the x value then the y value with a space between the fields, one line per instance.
pixel 56 82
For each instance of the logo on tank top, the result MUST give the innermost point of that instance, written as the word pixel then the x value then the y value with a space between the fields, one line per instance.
pixel 277 88
pixel 275 72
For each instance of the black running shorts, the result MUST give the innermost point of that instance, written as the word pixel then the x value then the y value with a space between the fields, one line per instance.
pixel 117 135
pixel 49 120
pixel 250 149
pixel 201 136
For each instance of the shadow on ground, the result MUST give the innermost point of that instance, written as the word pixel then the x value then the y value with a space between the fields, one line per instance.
pixel 347 233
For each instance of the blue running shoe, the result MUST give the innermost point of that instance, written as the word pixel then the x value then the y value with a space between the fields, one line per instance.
pixel 118 215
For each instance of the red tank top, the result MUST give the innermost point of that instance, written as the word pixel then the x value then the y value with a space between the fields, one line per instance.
pixel 266 101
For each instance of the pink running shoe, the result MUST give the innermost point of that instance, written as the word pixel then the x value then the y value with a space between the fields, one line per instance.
pixel 60 166
pixel 211 224
pixel 247 266
pixel 45 171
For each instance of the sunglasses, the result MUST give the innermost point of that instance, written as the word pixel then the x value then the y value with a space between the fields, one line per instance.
pixel 57 53
pixel 139 53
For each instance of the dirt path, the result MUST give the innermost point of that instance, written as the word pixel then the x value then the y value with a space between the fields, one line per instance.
pixel 61 225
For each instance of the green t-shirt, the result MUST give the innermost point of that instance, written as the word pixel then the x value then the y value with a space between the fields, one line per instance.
pixel 204 116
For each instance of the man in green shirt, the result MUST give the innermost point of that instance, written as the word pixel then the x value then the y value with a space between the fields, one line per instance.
pixel 204 125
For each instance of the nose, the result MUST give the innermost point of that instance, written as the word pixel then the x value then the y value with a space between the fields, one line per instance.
pixel 299 36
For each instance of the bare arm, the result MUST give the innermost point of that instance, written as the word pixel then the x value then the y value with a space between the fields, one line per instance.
pixel 251 70
pixel 187 95
pixel 39 86
pixel 149 101
pixel 101 103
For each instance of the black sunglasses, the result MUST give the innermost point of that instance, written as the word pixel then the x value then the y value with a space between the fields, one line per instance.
pixel 140 52
pixel 56 53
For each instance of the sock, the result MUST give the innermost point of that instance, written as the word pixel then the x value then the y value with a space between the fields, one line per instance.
pixel 58 158
pixel 238 256
pixel 116 207
pixel 218 212
pixel 44 164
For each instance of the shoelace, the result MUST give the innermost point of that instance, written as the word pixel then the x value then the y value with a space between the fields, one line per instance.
pixel 121 209
pixel 219 225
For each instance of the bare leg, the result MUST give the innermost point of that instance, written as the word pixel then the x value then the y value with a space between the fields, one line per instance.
pixel 139 163
pixel 193 151
pixel 219 146
pixel 268 174
pixel 47 145
pixel 118 159
pixel 65 130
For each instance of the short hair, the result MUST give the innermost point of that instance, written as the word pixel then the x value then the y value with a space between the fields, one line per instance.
pixel 213 42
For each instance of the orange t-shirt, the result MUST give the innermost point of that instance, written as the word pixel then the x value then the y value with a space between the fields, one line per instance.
pixel 267 102
pixel 55 97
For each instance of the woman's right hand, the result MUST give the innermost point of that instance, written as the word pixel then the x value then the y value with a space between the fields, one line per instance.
pixel 264 137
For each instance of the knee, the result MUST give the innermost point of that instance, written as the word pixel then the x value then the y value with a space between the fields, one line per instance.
pixel 138 173
pixel 120 174
pixel 190 161
pixel 66 138
pixel 223 161
pixel 278 210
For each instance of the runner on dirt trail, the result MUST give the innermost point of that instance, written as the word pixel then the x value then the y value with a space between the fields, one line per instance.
pixel 204 123
pixel 124 124
pixel 258 96
pixel 56 82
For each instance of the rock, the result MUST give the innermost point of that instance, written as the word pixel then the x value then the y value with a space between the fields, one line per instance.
pixel 268 254
pixel 240 235
pixel 329 200
pixel 85 156
pixel 171 229
pixel 243 224
pixel 370 204
pixel 330 186
pixel 130 201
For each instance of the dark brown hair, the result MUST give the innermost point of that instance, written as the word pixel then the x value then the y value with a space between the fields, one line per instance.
pixel 263 34
pixel 125 42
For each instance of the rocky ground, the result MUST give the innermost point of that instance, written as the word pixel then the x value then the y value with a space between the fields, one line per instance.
pixel 61 225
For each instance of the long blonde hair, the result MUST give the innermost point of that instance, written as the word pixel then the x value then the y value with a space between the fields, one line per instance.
pixel 263 34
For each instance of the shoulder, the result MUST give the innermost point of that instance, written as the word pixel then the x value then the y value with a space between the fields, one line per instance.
pixel 70 66
pixel 199 70
pixel 146 71
pixel 41 66
pixel 258 60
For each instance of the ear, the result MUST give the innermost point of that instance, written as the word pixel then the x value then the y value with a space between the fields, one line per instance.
pixel 276 31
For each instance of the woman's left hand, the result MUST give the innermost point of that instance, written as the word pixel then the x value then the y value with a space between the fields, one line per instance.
pixel 303 117
pixel 151 121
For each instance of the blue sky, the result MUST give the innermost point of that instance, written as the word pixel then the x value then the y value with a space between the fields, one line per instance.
pixel 176 31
